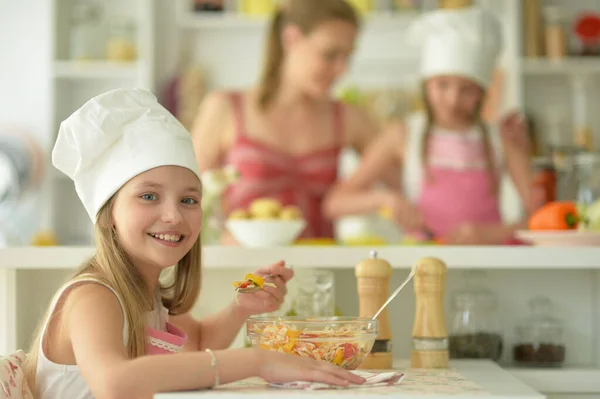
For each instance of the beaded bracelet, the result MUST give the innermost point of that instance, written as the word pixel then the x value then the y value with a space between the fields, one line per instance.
pixel 215 365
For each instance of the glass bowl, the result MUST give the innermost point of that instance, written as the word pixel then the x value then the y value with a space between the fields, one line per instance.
pixel 343 341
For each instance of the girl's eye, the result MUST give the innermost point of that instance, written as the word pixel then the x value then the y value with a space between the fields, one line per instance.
pixel 149 197
pixel 189 201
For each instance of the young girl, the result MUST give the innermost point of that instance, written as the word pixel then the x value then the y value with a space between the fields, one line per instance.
pixel 285 135
pixel 450 160
pixel 136 174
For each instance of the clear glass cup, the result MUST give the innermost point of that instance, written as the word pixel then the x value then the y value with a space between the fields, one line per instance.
pixel 311 293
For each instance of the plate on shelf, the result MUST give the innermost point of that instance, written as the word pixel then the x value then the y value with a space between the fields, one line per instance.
pixel 570 238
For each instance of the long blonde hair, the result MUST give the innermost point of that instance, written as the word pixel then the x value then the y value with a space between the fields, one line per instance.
pixel 307 15
pixel 112 266
pixel 483 128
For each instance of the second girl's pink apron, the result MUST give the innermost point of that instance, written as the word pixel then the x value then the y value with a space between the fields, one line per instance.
pixel 458 188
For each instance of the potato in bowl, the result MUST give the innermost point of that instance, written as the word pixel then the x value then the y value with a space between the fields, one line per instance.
pixel 266 223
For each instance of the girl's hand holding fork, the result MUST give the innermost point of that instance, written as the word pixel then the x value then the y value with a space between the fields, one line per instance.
pixel 270 298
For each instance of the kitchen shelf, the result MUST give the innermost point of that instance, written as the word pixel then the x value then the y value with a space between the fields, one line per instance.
pixel 333 257
pixel 235 20
pixel 566 66
pixel 68 69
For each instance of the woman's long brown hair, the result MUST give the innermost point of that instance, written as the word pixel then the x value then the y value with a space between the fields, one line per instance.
pixel 307 15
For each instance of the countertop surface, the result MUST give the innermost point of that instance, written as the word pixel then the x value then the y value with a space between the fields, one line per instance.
pixel 465 379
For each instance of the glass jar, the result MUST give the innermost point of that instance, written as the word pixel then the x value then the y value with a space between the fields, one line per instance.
pixel 85 34
pixel 563 158
pixel 475 332
pixel 311 294
pixel 121 45
pixel 587 176
pixel 555 33
pixel 538 340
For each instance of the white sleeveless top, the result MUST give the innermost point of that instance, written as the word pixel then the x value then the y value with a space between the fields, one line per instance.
pixel 60 381
pixel 412 174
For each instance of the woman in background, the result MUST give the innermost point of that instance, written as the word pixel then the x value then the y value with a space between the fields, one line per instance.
pixel 285 135
pixel 451 160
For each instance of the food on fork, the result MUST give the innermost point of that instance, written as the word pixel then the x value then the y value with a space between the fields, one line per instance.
pixel 251 283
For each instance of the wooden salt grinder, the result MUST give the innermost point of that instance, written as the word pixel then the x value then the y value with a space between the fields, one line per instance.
pixel 430 337
pixel 373 278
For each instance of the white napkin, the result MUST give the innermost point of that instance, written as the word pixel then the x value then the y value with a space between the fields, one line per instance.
pixel 372 380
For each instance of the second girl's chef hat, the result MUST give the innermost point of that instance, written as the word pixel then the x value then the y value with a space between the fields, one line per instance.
pixel 464 42
pixel 115 137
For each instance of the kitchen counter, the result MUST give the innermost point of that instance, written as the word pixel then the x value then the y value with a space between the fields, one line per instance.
pixel 29 276
pixel 466 379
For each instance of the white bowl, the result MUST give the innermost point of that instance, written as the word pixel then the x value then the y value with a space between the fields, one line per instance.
pixel 265 233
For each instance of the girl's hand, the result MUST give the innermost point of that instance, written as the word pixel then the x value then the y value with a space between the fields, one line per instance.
pixel 513 129
pixel 270 298
pixel 404 213
pixel 474 234
pixel 277 367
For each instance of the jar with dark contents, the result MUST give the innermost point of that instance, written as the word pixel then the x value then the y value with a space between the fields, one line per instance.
pixel 475 332
pixel 539 341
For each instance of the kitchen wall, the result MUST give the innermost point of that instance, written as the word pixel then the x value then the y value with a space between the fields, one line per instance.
pixel 25 66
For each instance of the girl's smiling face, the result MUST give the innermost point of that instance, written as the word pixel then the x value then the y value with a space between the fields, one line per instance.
pixel 157 216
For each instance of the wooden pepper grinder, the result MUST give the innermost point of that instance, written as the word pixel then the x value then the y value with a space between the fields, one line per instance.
pixel 373 277
pixel 430 337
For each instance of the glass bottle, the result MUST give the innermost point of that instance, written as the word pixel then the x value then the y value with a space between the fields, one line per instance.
pixel 85 31
pixel 122 41
pixel 475 332
pixel 555 33
pixel 587 176
pixel 539 341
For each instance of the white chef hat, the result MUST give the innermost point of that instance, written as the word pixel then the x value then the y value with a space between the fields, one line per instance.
pixel 114 137
pixel 464 42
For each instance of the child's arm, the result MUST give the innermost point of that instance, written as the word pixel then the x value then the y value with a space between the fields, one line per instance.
pixel 93 320
pixel 219 330
pixel 362 130
pixel 216 331
pixel 94 324
pixel 212 128
pixel 356 195
pixel 518 166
